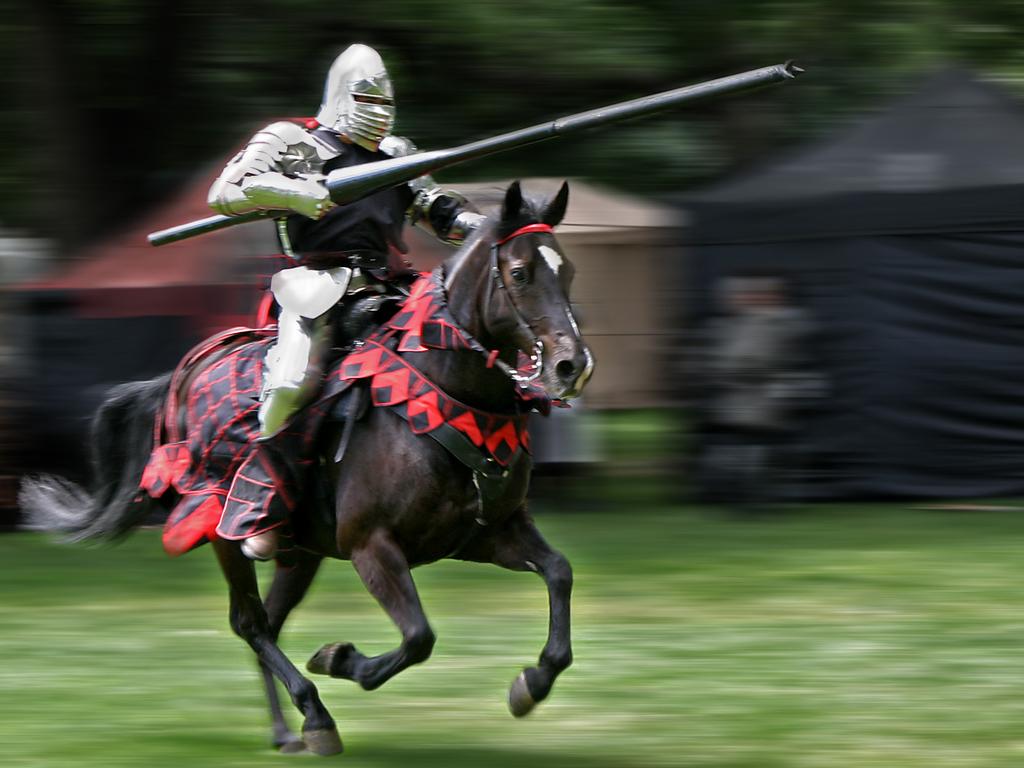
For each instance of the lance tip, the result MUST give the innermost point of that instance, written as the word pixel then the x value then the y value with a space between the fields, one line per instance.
pixel 792 69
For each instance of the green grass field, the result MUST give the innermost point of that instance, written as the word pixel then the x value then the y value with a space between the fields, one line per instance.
pixel 840 636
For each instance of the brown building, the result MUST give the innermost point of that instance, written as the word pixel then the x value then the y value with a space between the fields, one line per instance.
pixel 624 249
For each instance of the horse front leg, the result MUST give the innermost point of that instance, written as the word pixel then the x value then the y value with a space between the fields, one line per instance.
pixel 385 572
pixel 290 584
pixel 519 546
pixel 249 621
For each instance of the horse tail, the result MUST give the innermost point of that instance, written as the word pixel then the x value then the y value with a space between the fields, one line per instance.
pixel 121 441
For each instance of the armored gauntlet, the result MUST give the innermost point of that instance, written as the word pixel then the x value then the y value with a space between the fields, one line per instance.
pixel 275 191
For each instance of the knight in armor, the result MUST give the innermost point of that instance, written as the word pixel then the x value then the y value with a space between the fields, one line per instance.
pixel 338 250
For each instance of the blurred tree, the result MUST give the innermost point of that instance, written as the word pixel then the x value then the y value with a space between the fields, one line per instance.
pixel 115 103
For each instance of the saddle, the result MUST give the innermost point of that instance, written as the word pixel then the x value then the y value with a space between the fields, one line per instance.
pixel 205 459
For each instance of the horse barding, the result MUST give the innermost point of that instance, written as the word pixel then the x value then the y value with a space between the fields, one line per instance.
pixel 416 450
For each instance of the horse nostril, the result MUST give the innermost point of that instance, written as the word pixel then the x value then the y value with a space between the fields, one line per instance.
pixel 565 369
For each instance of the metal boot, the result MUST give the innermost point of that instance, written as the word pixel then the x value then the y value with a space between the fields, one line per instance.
pixel 262 546
pixel 278 407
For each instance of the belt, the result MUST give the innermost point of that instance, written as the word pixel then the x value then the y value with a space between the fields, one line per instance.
pixel 354 259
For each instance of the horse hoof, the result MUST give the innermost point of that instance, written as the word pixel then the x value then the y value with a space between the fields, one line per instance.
pixel 324 742
pixel 329 659
pixel 292 746
pixel 520 702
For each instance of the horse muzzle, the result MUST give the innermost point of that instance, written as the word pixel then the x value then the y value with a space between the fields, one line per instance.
pixel 569 373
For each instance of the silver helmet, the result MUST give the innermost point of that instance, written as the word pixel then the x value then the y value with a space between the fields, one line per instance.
pixel 359 100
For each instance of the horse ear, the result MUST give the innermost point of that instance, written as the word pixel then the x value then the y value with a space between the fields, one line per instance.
pixel 555 210
pixel 513 202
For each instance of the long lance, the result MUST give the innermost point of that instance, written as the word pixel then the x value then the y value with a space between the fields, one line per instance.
pixel 350 184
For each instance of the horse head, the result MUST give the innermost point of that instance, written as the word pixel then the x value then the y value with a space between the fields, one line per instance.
pixel 522 292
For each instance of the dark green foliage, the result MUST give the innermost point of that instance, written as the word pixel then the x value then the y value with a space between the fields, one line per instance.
pixel 112 104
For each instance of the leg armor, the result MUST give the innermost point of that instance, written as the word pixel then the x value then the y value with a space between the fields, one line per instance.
pixel 295 363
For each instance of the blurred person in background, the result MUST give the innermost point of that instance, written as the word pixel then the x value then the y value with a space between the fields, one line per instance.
pixel 337 251
pixel 760 376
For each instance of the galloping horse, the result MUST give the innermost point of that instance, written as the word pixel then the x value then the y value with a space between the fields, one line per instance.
pixel 400 498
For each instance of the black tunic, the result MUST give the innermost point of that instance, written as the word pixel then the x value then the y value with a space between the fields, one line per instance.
pixel 373 224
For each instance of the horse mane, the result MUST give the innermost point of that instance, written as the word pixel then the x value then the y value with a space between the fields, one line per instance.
pixel 495 227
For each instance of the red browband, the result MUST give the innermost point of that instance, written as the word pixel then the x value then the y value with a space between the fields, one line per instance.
pixel 525 231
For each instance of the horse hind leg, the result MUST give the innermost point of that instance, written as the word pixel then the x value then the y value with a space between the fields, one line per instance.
pixel 250 622
pixel 385 572
pixel 289 587
pixel 519 546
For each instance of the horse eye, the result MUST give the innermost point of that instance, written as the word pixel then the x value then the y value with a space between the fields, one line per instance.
pixel 519 274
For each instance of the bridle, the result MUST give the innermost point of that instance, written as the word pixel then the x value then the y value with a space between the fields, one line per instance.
pixel 497 281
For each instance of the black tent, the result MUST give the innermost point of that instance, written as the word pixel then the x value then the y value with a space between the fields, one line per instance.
pixel 904 238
